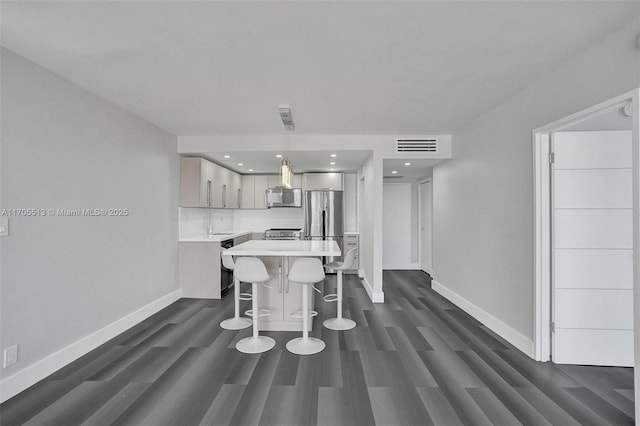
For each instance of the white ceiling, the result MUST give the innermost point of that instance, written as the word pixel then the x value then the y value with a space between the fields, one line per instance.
pixel 344 67
pixel 266 162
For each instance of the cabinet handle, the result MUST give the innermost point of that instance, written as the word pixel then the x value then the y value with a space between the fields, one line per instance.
pixel 239 197
pixel 209 193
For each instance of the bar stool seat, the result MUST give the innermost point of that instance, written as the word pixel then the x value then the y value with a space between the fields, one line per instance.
pixel 306 272
pixel 252 270
pixel 339 323
pixel 237 322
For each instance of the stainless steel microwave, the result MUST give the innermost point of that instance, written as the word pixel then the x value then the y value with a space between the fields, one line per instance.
pixel 284 197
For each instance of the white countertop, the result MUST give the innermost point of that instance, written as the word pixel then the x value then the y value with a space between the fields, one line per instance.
pixel 216 237
pixel 285 248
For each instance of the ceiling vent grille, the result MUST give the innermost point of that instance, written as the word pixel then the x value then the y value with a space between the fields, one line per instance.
pixel 417 145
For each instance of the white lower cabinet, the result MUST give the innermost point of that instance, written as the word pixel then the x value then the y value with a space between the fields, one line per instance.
pixel 282 299
pixel 200 269
pixel 351 242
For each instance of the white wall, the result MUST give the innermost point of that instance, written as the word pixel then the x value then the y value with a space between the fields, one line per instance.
pixel 483 198
pixel 350 202
pixel 64 278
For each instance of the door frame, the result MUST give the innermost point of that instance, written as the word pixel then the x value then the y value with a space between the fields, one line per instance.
pixel 420 224
pixel 543 230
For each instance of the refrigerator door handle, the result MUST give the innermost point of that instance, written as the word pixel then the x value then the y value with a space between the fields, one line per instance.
pixel 324 223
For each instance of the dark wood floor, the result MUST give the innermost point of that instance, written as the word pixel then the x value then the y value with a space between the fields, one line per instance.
pixel 415 360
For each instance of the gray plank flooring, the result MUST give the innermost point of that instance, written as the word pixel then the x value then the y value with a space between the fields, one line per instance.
pixel 415 360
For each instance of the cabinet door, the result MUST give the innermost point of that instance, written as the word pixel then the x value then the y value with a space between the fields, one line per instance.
pixel 248 191
pixel 234 191
pixel 311 181
pixel 208 183
pixel 273 181
pixel 200 270
pixel 271 298
pixel 260 191
pixel 297 181
pixel 351 243
pixel 292 302
pixel 195 182
pixel 219 180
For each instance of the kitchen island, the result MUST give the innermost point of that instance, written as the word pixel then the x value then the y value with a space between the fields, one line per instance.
pixel 283 298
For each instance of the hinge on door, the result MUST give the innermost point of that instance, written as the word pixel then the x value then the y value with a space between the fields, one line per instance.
pixel 552 157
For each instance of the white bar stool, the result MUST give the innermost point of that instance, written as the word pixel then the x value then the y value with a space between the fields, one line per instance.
pixel 252 270
pixel 237 322
pixel 306 271
pixel 340 323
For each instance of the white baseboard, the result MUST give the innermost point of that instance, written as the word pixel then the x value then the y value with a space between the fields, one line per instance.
pixel 405 267
pixel 503 330
pixel 32 374
pixel 375 296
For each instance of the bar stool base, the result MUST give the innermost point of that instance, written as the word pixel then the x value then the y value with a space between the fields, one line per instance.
pixel 305 346
pixel 255 345
pixel 339 324
pixel 239 323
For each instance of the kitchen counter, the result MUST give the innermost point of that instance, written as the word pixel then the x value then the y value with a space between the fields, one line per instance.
pixel 285 248
pixel 216 237
pixel 283 298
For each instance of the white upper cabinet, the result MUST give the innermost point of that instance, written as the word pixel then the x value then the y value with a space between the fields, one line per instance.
pixel 253 192
pixel 196 182
pixel 205 184
pixel 311 181
pixel 248 188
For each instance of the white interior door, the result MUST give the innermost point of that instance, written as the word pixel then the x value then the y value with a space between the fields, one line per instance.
pixel 396 222
pixel 592 296
pixel 426 236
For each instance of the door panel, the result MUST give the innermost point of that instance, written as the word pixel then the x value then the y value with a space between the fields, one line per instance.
pixel 594 228
pixel 593 150
pixel 593 188
pixel 610 269
pixel 592 266
pixel 588 308
pixel 396 233
pixel 576 346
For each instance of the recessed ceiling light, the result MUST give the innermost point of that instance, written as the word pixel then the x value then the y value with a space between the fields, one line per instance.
pixel 250 170
pixel 333 163
pixel 407 164
pixel 334 155
pixel 394 172
pixel 278 156
pixel 332 169
pixel 240 164
pixel 227 156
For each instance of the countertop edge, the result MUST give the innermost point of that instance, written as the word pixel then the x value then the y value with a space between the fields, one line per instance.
pixel 214 238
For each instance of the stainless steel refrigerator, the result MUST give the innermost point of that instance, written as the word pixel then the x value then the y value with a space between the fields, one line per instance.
pixel 323 218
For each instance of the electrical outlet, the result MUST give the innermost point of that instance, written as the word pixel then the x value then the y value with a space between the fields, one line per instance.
pixel 10 355
pixel 4 226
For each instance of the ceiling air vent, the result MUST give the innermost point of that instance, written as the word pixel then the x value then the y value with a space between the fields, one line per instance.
pixel 404 145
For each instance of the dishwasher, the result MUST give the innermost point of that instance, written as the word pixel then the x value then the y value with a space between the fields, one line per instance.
pixel 226 275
